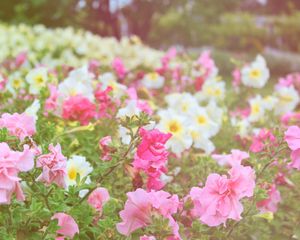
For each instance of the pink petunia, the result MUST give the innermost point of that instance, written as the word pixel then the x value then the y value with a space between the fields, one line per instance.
pixel 271 203
pixel 68 226
pixel 98 198
pixel 79 108
pixel 147 237
pixel 119 67
pixel 219 199
pixel 151 156
pixel 19 125
pixel 141 206
pixel 105 148
pixel 292 137
pixel 54 166
pixel 11 163
pixel 235 158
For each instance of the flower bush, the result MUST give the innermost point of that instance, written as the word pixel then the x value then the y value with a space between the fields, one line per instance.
pixel 102 139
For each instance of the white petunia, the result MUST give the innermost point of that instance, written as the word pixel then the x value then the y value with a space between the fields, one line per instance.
pixel 33 109
pixel 37 79
pixel 15 83
pixel 255 74
pixel 212 90
pixel 77 165
pixel 257 109
pixel 108 79
pixel 288 99
pixel 153 80
pixel 130 110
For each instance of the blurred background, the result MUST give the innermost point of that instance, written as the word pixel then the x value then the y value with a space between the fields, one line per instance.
pixel 271 27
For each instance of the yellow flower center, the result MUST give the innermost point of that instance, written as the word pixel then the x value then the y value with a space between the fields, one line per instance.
pixel 255 108
pixel 16 83
pixel 286 98
pixel 153 76
pixel 201 119
pixel 39 80
pixel 174 126
pixel 255 73
pixel 72 173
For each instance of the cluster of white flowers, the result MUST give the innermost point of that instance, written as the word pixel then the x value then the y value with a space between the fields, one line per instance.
pixel 189 122
pixel 60 46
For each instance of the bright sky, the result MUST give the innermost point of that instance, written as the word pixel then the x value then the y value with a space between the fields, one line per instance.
pixel 115 4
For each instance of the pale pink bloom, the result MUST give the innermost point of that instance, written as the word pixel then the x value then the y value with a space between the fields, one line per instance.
pixel 170 54
pixel 235 158
pixel 141 206
pixel 51 102
pixel 147 237
pixel 98 198
pixel 11 163
pixel 20 59
pixel 152 156
pixel 271 203
pixel 119 67
pixel 292 137
pixel 219 199
pixel 141 104
pixel 259 141
pixel 94 65
pixel 104 145
pixel 286 118
pixel 295 156
pixel 68 226
pixel 236 74
pixel 54 166
pixel 19 125
pixel 79 108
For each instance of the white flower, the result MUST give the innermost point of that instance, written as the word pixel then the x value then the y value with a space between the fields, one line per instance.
pixel 15 83
pixel 33 109
pixel 108 79
pixel 177 125
pixel 270 102
pixel 37 79
pixel 212 90
pixel 243 126
pixel 215 112
pixel 257 109
pixel 77 165
pixel 288 99
pixel 255 74
pixel 182 103
pixel 153 80
pixel 201 140
pixel 130 110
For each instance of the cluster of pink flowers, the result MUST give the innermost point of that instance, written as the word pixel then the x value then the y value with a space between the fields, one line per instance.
pixel 263 138
pixel 54 166
pixel 105 104
pixel 68 226
pixel 141 104
pixel 79 108
pixel 51 101
pixel 19 125
pixel 151 156
pixel 219 199
pixel 141 207
pixel 292 137
pixel 11 163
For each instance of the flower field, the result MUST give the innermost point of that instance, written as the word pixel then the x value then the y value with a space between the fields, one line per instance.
pixel 108 139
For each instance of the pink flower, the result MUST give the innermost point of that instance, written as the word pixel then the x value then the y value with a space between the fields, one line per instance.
pixel 98 198
pixel 236 74
pixel 292 137
pixel 235 158
pixel 259 141
pixel 141 206
pixel 51 102
pixel 295 156
pixel 104 145
pixel 219 199
pixel 105 103
pixel 152 156
pixel 147 237
pixel 141 104
pixel 290 117
pixel 68 226
pixel 19 125
pixel 11 163
pixel 79 108
pixel 54 166
pixel 119 67
pixel 270 204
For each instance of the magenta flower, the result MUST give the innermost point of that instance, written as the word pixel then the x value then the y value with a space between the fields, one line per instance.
pixel 79 108
pixel 271 203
